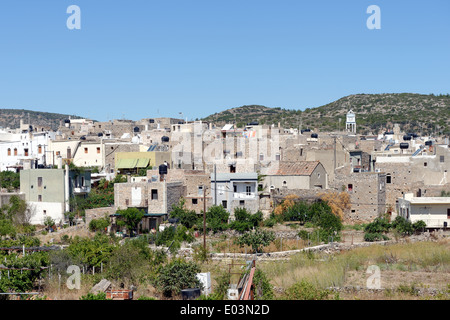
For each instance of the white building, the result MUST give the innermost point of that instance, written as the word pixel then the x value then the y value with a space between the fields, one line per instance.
pixel 434 211
pixel 236 190
pixel 18 146
pixel 350 124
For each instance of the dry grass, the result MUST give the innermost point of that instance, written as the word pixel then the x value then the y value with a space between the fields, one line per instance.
pixel 422 264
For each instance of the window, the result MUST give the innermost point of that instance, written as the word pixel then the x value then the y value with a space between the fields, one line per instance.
pixel 127 202
pixel 25 152
pixel 45 212
pixel 350 187
pixel 448 213
pixel 154 194
pixel 224 204
pixel 242 202
pixel 232 169
pixel 284 183
pixel 39 149
pixel 194 201
pixel 277 157
pixel 388 178
pixel 234 188
pixel 15 151
pixel 85 150
pixel 58 153
pixel 261 157
pixel 98 149
pixel 39 198
pixel 441 158
pixel 39 181
pixel 248 190
pixel 200 190
pixel 9 151
pixel 425 164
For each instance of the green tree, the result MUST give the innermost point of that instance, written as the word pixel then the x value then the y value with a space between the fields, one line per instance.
pixel 244 220
pixel 7 228
pixel 130 218
pixel 257 239
pixel 217 218
pixel 178 275
pixel 9 180
pixel 188 218
pixel 99 224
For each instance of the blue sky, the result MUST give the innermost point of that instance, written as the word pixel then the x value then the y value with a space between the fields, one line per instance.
pixel 142 58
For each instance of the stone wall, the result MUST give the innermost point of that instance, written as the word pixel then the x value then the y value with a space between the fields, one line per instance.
pixel 98 213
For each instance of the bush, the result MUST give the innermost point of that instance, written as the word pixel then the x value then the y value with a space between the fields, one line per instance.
pixel 371 237
pixel 263 287
pixel 245 221
pixel 99 224
pixel 269 223
pixel 134 261
pixel 378 225
pixel 221 288
pixel 217 219
pixel 419 225
pixel 403 226
pixel 175 236
pixel 303 234
pixel 188 218
pixel 176 276
pixel 91 296
pixel 304 290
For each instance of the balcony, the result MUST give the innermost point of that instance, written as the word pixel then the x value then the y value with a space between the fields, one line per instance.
pixel 81 190
pixel 244 195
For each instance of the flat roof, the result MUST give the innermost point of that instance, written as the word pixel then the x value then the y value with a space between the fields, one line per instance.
pixel 235 176
pixel 429 200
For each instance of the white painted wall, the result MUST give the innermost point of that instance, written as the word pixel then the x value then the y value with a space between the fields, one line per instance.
pixel 55 210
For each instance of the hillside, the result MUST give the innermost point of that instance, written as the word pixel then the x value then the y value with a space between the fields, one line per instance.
pixel 11 118
pixel 423 114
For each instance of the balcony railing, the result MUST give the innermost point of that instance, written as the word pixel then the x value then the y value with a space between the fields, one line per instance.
pixel 82 189
pixel 243 195
pixel 435 223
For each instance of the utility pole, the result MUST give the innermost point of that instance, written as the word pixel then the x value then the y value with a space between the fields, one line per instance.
pixel 215 185
pixel 204 218
pixel 334 154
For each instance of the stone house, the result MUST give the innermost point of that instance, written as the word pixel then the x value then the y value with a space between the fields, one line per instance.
pixel 367 192
pixel 296 175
